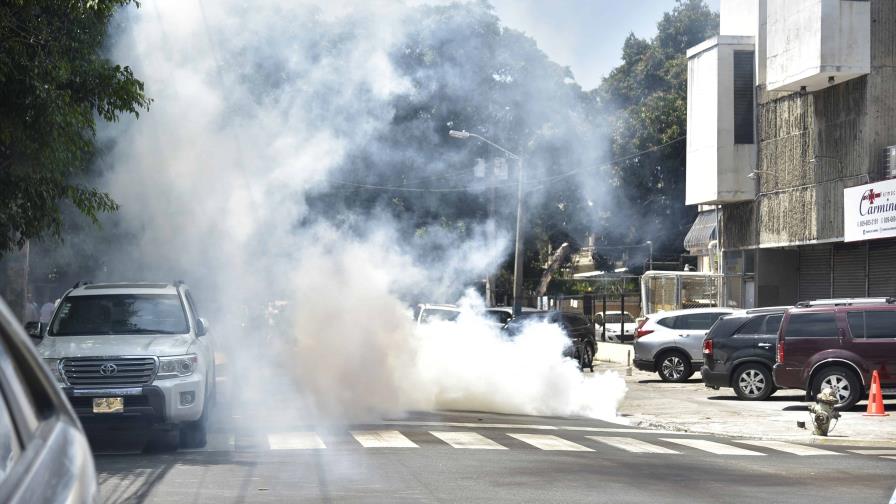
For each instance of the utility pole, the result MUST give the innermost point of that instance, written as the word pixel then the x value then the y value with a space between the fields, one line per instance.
pixel 518 252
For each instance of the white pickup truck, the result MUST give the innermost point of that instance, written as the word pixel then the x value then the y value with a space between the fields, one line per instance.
pixel 133 351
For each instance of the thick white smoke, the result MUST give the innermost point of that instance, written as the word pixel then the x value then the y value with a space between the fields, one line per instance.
pixel 256 105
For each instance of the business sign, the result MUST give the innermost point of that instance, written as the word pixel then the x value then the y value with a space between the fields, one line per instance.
pixel 869 211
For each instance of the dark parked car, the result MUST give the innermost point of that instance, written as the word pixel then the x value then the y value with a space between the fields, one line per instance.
pixel 576 327
pixel 44 455
pixel 837 344
pixel 739 352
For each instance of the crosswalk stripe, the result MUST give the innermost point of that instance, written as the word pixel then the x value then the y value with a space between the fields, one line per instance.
pixel 473 425
pixel 712 446
pixel 623 430
pixel 631 444
pixel 383 439
pixel 469 440
pixel 795 449
pixel 549 442
pixel 294 441
pixel 874 452
pixel 891 458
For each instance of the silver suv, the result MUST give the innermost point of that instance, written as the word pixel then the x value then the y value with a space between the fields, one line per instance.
pixel 140 350
pixel 671 343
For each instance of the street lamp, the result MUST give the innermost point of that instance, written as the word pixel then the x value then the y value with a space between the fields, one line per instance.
pixel 518 251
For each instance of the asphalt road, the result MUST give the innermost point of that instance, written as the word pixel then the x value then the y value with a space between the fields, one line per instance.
pixel 480 457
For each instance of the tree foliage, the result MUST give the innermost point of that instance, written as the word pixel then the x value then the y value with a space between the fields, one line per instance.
pixel 55 84
pixel 645 99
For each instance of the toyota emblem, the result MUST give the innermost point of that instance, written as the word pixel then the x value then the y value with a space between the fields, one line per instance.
pixel 108 369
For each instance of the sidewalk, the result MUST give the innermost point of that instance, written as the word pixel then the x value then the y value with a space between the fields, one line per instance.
pixel 691 407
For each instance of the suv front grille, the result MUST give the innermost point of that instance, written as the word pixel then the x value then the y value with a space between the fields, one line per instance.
pixel 111 372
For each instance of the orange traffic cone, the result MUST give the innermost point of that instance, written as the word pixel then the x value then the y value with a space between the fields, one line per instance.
pixel 875 401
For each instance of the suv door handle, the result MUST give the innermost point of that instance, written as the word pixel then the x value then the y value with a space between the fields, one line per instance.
pixel 763 345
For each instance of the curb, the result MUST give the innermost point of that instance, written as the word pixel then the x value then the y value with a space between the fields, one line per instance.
pixel 810 439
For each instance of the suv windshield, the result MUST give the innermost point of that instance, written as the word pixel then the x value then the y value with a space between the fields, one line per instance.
pixel 120 314
pixel 434 314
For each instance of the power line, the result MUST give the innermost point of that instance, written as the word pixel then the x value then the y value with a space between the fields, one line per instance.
pixel 498 186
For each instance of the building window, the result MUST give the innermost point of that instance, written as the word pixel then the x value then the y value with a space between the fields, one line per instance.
pixel 743 97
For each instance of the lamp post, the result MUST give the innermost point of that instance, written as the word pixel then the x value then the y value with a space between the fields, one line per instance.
pixel 518 250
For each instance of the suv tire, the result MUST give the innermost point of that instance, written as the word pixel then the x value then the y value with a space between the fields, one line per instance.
pixel 674 367
pixel 195 434
pixel 752 382
pixel 844 382
pixel 587 358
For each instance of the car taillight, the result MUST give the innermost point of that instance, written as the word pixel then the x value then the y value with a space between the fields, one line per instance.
pixel 642 332
pixel 780 349
pixel 707 346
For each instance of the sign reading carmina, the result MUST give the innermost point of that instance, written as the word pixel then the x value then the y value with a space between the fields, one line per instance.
pixel 869 211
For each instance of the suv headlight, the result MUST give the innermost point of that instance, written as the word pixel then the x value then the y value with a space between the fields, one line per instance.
pixel 53 364
pixel 176 367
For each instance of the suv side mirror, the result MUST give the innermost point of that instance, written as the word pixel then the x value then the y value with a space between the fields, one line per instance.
pixel 35 330
pixel 201 327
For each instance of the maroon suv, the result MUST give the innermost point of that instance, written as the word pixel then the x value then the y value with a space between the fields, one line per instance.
pixel 837 344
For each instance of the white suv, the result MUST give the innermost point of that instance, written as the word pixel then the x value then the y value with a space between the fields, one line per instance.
pixel 139 350
pixel 671 343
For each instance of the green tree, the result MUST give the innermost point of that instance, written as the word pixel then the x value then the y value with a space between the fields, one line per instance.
pixel 646 102
pixel 55 84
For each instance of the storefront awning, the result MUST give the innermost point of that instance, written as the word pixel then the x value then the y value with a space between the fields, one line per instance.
pixel 701 233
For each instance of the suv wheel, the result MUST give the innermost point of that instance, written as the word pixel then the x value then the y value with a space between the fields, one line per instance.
pixel 753 382
pixel 194 434
pixel 587 358
pixel 842 381
pixel 674 367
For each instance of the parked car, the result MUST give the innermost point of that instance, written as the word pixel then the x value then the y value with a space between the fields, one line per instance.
pixel 837 344
pixel 502 314
pixel 134 351
pixel 44 454
pixel 739 352
pixel 576 327
pixel 616 326
pixel 426 313
pixel 671 343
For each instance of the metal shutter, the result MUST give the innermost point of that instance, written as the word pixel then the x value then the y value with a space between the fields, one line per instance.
pixel 815 273
pixel 849 270
pixel 882 268
pixel 743 97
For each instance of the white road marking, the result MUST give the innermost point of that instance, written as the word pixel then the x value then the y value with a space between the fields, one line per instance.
pixel 893 497
pixel 383 439
pixel 549 442
pixel 631 445
pixel 889 457
pixel 469 440
pixel 471 424
pixel 874 452
pixel 712 447
pixel 795 449
pixel 623 430
pixel 295 441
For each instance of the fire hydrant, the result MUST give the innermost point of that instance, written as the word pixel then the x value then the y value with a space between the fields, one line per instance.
pixel 823 412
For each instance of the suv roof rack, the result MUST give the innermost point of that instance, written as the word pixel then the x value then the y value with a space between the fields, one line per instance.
pixel 845 302
pixel 80 283
pixel 766 309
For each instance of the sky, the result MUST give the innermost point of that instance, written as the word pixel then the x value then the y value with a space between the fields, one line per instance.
pixel 586 35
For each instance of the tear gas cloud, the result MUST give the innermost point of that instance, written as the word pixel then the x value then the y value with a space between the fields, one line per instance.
pixel 235 181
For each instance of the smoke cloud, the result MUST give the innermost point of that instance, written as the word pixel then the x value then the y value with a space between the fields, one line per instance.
pixel 251 175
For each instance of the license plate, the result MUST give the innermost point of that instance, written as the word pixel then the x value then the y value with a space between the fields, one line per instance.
pixel 108 404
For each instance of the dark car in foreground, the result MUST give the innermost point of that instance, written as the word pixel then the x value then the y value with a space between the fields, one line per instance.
pixel 838 344
pixel 739 352
pixel 44 454
pixel 577 328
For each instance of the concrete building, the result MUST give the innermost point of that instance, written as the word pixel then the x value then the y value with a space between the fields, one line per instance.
pixel 790 113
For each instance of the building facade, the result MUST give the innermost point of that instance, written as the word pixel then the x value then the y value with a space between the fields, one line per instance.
pixel 791 111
